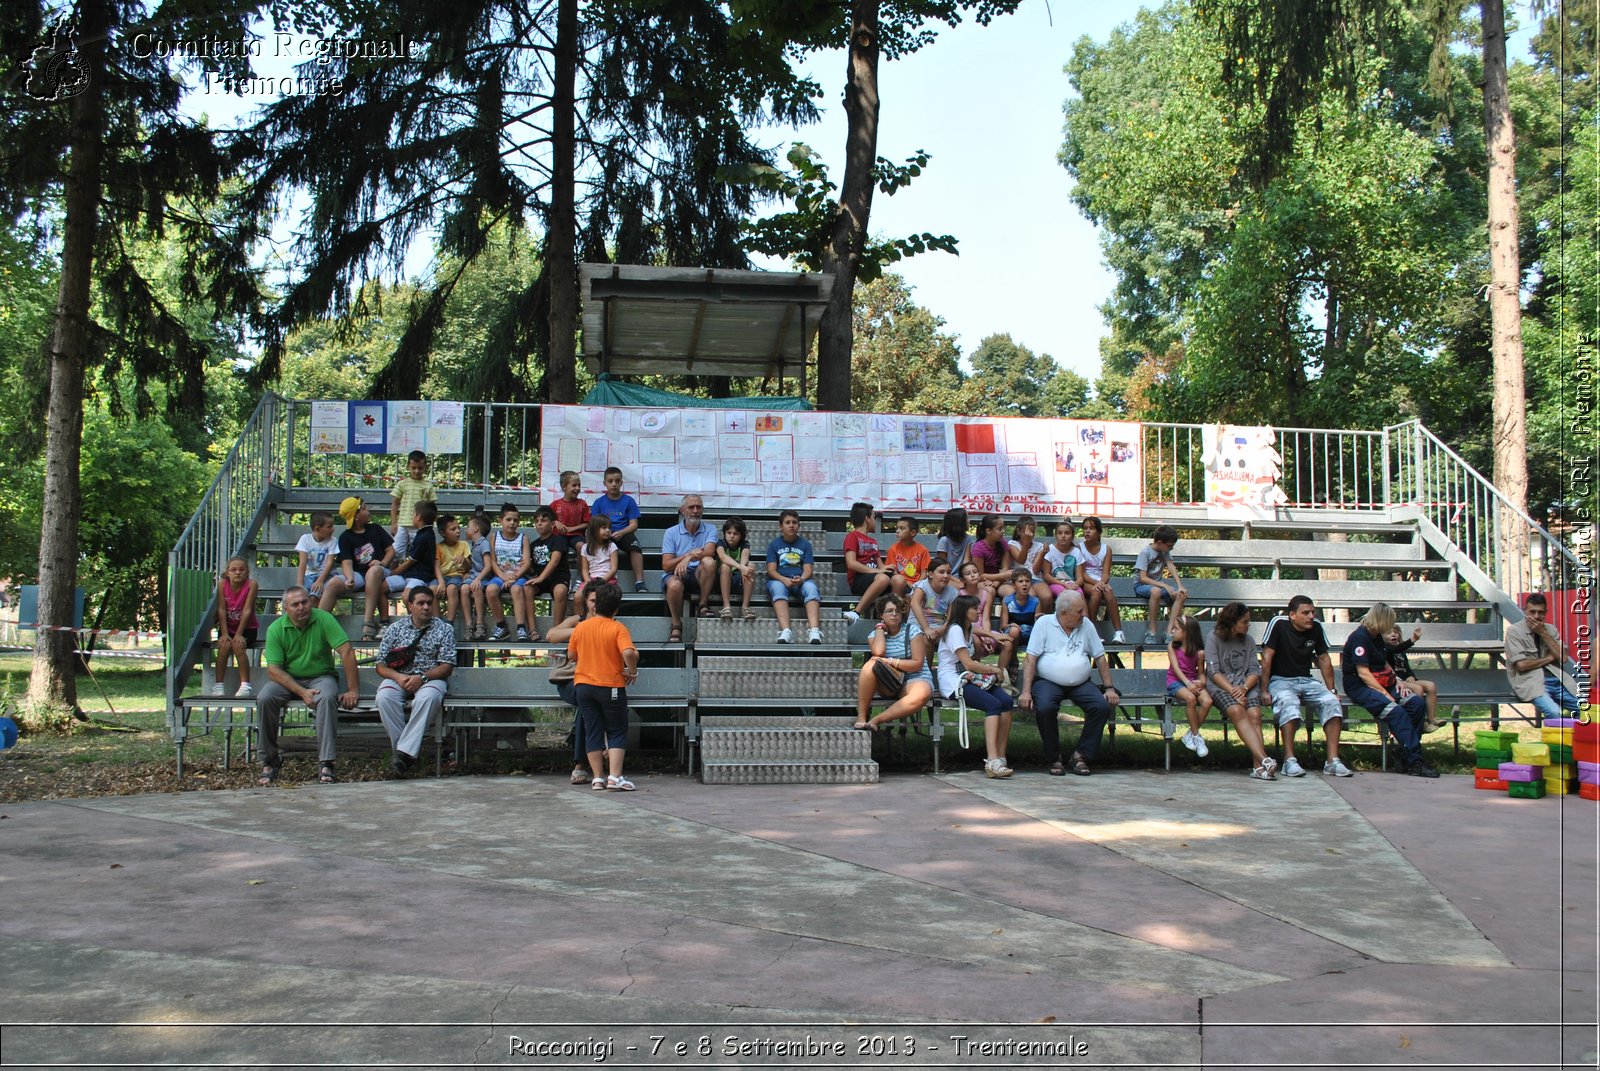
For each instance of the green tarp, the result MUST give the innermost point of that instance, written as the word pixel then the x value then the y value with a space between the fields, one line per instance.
pixel 612 391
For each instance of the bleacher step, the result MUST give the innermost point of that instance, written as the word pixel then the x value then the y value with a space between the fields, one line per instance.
pixel 748 772
pixel 784 745
pixel 778 677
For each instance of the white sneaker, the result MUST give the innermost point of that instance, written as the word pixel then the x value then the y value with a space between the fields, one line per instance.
pixel 1191 741
pixel 244 688
pixel 215 689
pixel 786 636
pixel 1335 768
pixel 814 636
pixel 1292 768
pixel 1118 637
pixel 1200 749
pixel 851 616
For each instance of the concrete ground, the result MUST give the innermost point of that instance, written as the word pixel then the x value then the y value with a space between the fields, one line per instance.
pixel 1128 920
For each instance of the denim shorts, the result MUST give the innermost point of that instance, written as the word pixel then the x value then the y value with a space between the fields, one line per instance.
pixel 1143 591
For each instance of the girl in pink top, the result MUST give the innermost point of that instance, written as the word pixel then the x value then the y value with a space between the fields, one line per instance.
pixel 1186 678
pixel 236 623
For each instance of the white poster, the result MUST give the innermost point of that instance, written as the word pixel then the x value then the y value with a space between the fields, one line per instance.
pixel 757 461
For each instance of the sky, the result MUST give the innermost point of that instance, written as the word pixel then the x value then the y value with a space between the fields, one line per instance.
pixel 985 103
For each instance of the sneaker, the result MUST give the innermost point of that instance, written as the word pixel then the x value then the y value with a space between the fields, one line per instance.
pixel 1192 741
pixel 996 768
pixel 1118 637
pixel 244 688
pixel 638 587
pixel 522 633
pixel 1200 749
pixel 851 616
pixel 814 636
pixel 1292 768
pixel 215 689
pixel 786 636
pixel 500 632
pixel 1335 768
pixel 1261 773
pixel 1421 769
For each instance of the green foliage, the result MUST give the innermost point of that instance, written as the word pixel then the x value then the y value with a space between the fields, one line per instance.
pixel 1009 379
pixel 802 234
pixel 902 361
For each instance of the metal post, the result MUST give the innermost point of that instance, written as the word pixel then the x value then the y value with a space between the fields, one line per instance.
pixel 1388 500
pixel 488 427
pixel 288 452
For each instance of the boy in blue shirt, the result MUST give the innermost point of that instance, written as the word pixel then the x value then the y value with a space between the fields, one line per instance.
pixel 790 564
pixel 623 512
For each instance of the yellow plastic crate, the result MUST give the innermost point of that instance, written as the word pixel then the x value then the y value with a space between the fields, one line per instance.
pixel 1559 786
pixel 1556 736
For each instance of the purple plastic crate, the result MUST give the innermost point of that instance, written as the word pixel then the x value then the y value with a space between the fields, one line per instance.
pixel 1516 771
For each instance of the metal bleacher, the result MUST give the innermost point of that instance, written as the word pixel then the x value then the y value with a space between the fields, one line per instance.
pixel 737 705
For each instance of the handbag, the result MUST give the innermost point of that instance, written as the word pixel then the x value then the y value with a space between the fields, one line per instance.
pixel 562 668
pixel 400 657
pixel 890 679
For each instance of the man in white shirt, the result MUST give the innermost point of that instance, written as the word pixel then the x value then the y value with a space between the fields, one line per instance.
pixel 1063 651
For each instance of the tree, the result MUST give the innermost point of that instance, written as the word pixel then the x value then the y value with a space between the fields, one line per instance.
pixel 601 128
pixel 1306 300
pixel 869 30
pixel 1009 379
pixel 904 362
pixel 1287 51
pixel 107 142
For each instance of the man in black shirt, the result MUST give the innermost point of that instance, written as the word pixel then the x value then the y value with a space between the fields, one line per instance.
pixel 1294 643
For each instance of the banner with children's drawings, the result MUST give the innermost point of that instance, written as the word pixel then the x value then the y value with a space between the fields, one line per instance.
pixel 386 427
pixel 764 460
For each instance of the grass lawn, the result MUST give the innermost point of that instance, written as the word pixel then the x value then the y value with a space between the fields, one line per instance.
pixel 127 748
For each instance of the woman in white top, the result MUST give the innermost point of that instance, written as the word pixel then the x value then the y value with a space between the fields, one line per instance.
pixel 1094 576
pixel 976 682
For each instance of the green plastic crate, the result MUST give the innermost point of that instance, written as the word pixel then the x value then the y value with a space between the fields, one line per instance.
pixel 1560 753
pixel 1527 790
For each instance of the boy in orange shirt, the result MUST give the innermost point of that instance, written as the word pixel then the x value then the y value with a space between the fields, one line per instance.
pixel 607 662
pixel 906 561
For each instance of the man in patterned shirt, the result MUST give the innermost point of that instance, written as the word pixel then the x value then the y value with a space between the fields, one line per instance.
pixel 421 677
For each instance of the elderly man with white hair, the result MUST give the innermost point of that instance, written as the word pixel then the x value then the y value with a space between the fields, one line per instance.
pixel 1064 651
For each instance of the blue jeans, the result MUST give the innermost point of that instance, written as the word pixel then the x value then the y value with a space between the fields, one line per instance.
pixel 1404 719
pixel 807 591
pixel 1047 699
pixel 604 713
pixel 1556 699
pixel 992 701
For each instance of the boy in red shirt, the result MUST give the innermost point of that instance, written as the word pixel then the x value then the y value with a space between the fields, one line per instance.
pixel 868 578
pixel 906 561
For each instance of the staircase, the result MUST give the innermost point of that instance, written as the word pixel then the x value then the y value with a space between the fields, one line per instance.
pixel 777 750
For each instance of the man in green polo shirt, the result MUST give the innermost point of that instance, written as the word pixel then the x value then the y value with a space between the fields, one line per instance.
pixel 299 659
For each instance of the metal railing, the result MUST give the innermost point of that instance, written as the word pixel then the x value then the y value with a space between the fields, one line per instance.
pixel 1321 468
pixel 1502 545
pixel 223 524
pixel 499 450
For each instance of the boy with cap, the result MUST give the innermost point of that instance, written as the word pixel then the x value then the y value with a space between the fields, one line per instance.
pixel 365 553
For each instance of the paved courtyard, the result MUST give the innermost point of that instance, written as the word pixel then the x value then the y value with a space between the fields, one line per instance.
pixel 1127 919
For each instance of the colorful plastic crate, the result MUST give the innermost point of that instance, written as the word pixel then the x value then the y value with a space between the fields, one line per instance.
pixel 1493 739
pixel 1531 754
pixel 1489 782
pixel 1516 771
pixel 1489 758
pixel 1556 736
pixel 1526 790
pixel 1589 792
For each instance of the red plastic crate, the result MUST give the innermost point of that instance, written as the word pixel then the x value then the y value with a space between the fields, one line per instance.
pixel 1488 782
pixel 1589 792
pixel 1586 752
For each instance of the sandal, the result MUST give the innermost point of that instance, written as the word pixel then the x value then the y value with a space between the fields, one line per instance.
pixel 865 726
pixel 369 631
pixel 579 775
pixel 726 614
pixel 1057 770
pixel 706 611
pixel 269 774
pixel 1078 766
pixel 326 774
pixel 675 634
pixel 620 784
pixel 749 614
pixel 598 784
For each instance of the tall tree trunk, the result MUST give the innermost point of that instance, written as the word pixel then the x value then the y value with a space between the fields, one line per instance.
pixel 54 665
pixel 560 250
pixel 1505 305
pixel 834 332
